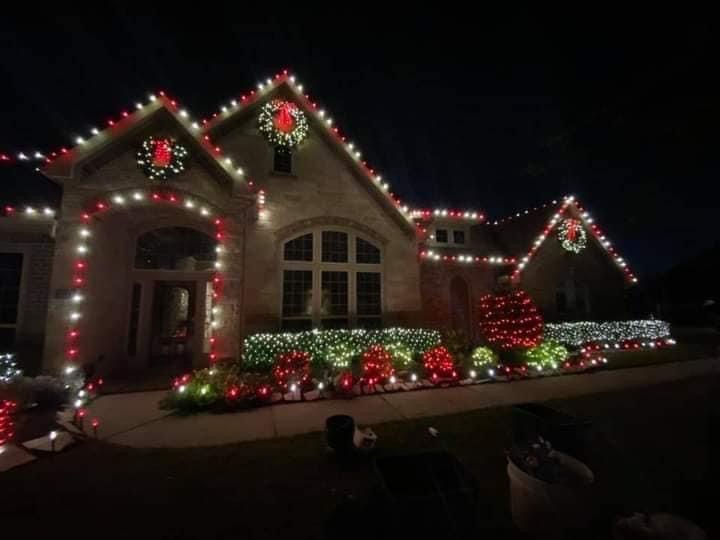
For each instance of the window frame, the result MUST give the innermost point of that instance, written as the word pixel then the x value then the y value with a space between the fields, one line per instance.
pixel 22 287
pixel 318 266
pixel 291 158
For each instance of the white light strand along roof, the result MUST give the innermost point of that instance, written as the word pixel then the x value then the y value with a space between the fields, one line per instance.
pixel 321 116
pixel 589 223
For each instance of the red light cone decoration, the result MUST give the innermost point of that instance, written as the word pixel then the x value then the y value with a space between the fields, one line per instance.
pixel 439 364
pixel 510 321
pixel 376 365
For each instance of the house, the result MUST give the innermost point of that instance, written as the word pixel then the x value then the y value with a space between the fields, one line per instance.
pixel 175 239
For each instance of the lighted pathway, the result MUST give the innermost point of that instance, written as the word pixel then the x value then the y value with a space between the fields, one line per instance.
pixel 135 419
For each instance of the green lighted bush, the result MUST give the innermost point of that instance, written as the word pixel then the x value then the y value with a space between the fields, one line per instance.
pixel 402 356
pixel 328 347
pixel 483 357
pixel 547 355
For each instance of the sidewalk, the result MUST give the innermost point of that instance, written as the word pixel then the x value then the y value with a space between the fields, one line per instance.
pixel 135 419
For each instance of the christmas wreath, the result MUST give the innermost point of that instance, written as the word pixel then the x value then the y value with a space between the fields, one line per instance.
pixel 161 158
pixel 572 235
pixel 283 123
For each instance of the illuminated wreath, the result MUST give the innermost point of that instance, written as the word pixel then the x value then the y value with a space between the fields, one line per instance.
pixel 283 123
pixel 572 235
pixel 161 158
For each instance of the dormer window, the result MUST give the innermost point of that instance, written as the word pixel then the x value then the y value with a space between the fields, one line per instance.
pixel 282 161
pixel 441 236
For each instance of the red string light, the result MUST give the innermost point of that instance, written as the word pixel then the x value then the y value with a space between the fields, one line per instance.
pixel 376 365
pixel 292 368
pixel 439 364
pixel 511 320
pixel 7 426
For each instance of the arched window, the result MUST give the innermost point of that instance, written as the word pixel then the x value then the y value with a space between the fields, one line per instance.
pixel 175 248
pixel 331 278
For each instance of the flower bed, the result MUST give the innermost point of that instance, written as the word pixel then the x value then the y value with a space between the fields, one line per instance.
pixel 346 363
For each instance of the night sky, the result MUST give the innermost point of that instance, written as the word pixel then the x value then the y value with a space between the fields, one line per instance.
pixel 497 112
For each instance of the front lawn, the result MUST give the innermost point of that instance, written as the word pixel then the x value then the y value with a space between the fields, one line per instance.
pixel 650 448
pixel 681 352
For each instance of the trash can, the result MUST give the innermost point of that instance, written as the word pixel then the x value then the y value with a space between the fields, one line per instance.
pixel 564 431
pixel 339 433
pixel 539 506
pixel 428 494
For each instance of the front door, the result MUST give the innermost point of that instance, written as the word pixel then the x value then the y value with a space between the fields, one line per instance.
pixel 173 324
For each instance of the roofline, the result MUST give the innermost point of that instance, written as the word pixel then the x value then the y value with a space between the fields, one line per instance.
pixel 61 166
pixel 319 117
pixel 590 225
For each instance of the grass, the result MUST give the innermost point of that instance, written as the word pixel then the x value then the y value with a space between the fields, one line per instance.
pixel 651 449
pixel 678 353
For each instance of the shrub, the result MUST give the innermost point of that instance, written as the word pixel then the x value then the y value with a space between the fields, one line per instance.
pixel 261 350
pixel 340 356
pixel 439 364
pixel 376 365
pixel 510 321
pixel 547 355
pixel 579 333
pixel 483 357
pixel 222 386
pixel 402 356
pixel 42 391
pixel 292 368
pixel 457 343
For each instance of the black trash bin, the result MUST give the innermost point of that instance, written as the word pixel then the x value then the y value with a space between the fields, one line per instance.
pixel 339 432
pixel 565 432
pixel 428 494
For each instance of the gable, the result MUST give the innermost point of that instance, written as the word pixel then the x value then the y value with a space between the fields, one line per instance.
pixel 121 140
pixel 236 129
pixel 534 229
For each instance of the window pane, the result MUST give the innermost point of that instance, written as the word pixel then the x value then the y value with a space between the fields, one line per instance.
pixel 368 293
pixel 366 253
pixel 297 292
pixel 369 322
pixel 334 246
pixel 334 324
pixel 134 319
pixel 175 248
pixel 282 161
pixel 300 248
pixel 459 237
pixel 441 236
pixel 10 271
pixel 296 325
pixel 334 293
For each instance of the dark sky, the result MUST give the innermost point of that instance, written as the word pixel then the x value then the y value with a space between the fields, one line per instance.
pixel 496 111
